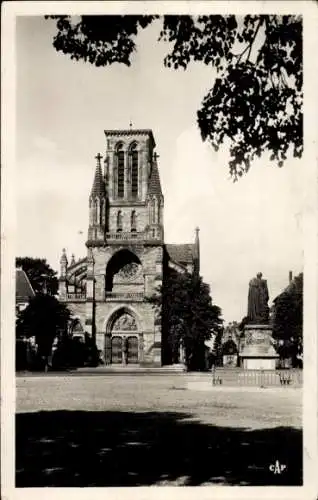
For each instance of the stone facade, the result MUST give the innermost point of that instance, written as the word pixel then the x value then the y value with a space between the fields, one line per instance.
pixel 257 350
pixel 126 254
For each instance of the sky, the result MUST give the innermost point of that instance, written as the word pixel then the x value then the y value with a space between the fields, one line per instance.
pixel 62 109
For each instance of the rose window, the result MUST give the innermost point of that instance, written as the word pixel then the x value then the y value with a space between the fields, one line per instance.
pixel 128 271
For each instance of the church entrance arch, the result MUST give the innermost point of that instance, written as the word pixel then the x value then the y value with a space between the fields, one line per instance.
pixel 123 267
pixel 122 339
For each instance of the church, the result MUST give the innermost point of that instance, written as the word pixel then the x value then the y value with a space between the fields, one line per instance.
pixel 127 258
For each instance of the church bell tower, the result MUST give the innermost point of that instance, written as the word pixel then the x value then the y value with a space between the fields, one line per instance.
pixel 125 246
pixel 126 198
pixel 108 291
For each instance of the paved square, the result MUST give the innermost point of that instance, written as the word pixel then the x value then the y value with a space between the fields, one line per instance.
pixel 134 429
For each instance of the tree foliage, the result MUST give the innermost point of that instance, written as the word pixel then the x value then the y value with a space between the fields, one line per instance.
pixel 256 99
pixel 44 318
pixel 42 277
pixel 184 304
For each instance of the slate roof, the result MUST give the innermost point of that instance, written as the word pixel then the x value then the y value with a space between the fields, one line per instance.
pixel 182 253
pixel 23 290
pixel 294 285
pixel 98 188
pixel 154 186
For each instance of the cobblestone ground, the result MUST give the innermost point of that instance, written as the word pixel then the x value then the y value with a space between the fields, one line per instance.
pixel 127 430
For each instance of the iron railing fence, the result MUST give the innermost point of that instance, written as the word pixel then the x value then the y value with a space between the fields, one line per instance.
pixel 257 378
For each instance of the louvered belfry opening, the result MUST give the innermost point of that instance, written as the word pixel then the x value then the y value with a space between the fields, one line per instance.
pixel 121 173
pixel 134 172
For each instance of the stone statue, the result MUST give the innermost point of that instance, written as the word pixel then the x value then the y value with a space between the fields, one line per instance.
pixel 258 310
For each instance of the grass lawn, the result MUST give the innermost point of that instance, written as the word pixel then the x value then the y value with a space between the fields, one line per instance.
pixel 127 430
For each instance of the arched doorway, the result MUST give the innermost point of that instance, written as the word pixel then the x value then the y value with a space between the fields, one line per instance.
pixel 122 339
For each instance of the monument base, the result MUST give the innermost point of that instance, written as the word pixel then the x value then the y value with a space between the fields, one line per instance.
pixel 257 351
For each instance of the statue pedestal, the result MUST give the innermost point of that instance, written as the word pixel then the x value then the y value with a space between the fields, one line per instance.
pixel 257 350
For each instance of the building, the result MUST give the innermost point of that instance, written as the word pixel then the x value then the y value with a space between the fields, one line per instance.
pixel 286 311
pixel 23 290
pixel 127 257
pixel 231 341
pixel 23 293
pixel 287 322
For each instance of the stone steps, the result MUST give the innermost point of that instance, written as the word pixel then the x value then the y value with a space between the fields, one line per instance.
pixel 133 369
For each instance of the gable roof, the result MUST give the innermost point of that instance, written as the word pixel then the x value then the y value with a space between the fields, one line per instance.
pixel 182 253
pixel 295 285
pixel 23 290
pixel 154 186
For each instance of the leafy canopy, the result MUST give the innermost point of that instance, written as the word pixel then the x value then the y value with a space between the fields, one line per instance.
pixel 42 277
pixel 184 305
pixel 255 102
pixel 45 318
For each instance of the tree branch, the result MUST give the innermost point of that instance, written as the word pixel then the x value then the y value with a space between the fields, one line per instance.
pixel 260 22
pixel 249 45
pixel 283 78
pixel 239 56
pixel 271 77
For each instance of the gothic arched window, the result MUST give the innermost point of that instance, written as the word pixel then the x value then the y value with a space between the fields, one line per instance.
pixel 95 218
pixel 119 222
pixel 134 171
pixel 120 171
pixel 133 221
pixel 153 211
pixel 103 214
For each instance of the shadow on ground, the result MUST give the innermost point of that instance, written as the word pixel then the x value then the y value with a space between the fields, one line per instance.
pixel 82 448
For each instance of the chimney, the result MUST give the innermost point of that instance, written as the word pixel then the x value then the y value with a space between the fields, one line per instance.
pixel 290 276
pixel 197 252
